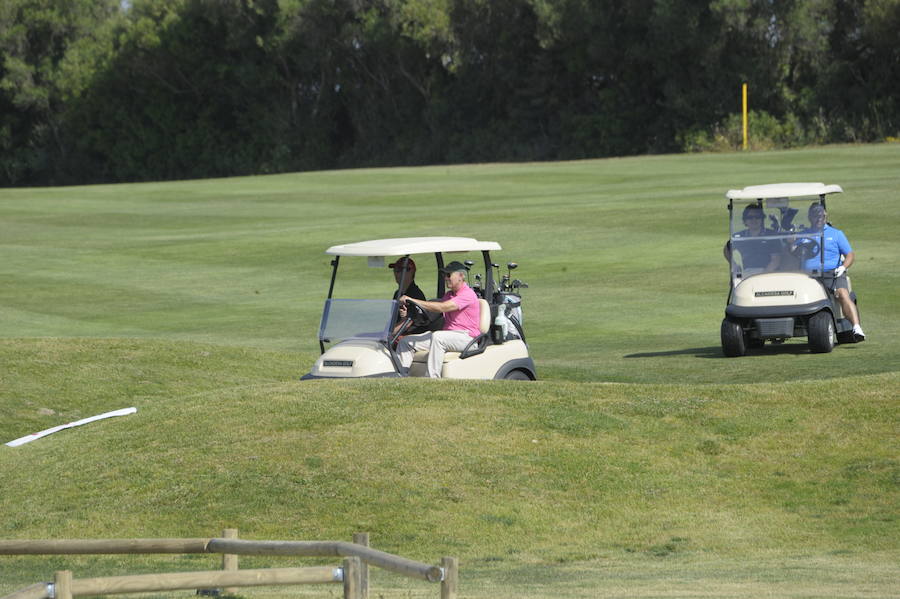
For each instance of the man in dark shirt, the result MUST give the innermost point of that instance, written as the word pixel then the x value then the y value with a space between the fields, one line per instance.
pixel 761 254
pixel 405 275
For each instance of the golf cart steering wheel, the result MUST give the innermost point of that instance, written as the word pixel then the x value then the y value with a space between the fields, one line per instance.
pixel 417 314
pixel 805 248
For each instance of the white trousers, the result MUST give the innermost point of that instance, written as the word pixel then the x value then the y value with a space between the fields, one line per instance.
pixel 436 344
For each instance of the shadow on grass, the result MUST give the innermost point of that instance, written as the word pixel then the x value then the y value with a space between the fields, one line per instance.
pixel 698 352
pixel 715 351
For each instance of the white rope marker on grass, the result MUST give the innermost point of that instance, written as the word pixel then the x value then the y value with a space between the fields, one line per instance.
pixel 50 431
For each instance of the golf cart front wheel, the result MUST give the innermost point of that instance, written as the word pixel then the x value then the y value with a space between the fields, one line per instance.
pixel 821 332
pixel 734 342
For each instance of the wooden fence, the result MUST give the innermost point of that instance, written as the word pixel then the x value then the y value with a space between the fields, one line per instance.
pixel 353 573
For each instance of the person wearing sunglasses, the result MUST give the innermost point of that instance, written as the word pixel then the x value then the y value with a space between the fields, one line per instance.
pixel 405 275
pixel 756 254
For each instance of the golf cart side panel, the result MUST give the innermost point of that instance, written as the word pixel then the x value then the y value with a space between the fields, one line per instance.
pixel 485 365
pixel 355 358
pixel 773 289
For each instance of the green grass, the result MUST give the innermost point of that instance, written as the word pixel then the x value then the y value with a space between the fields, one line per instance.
pixel 624 256
pixel 643 464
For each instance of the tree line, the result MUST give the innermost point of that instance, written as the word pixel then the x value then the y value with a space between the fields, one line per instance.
pixel 115 90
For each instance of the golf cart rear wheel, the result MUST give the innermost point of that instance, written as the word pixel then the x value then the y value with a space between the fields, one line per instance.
pixel 821 332
pixel 517 375
pixel 734 342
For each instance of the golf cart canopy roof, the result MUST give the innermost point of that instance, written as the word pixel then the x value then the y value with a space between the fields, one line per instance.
pixel 411 245
pixel 782 190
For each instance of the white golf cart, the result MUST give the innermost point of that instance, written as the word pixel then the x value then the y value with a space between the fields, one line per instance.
pixel 362 333
pixel 778 287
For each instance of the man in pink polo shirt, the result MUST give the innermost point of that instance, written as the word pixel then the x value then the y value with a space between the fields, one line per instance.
pixel 462 316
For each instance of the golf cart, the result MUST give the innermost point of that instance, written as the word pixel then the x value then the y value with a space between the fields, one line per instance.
pixel 362 334
pixel 778 286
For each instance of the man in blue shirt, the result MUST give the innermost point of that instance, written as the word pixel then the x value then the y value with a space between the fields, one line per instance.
pixel 838 257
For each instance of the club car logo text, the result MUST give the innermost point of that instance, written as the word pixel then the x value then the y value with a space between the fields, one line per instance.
pixel 774 293
pixel 338 363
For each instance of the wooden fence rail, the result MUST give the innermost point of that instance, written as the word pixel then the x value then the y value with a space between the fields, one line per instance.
pixel 354 574
pixel 145 583
pixel 102 546
pixel 373 557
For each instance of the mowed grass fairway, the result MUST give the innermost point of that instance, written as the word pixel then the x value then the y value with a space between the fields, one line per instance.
pixel 642 464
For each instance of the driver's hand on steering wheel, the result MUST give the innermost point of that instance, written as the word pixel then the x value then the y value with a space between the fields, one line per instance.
pixel 403 299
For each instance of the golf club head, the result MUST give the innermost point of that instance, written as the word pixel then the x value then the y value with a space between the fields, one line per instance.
pixel 787 218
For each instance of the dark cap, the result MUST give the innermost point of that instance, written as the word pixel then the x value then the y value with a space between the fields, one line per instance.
pixel 455 266
pixel 399 264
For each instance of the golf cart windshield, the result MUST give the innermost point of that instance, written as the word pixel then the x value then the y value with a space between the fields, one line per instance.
pixel 357 318
pixel 773 235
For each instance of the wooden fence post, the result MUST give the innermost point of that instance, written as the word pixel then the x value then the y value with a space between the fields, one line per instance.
pixel 229 560
pixel 362 538
pixel 450 584
pixel 62 585
pixel 351 578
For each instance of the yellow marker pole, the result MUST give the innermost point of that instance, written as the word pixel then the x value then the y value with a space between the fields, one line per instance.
pixel 744 95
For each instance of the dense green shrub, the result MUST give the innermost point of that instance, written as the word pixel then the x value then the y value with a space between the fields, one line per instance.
pixel 764 132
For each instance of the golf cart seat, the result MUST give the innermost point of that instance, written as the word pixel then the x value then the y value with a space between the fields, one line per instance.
pixel 475 347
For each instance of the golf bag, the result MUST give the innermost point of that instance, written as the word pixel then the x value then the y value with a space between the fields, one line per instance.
pixel 509 316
